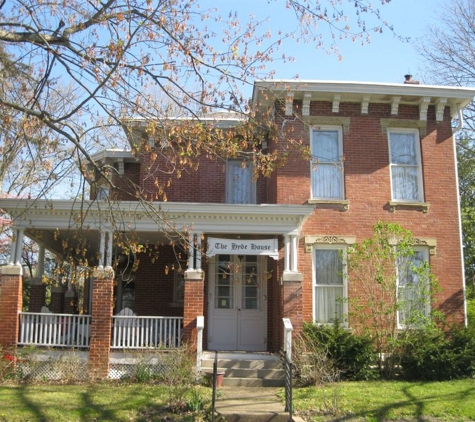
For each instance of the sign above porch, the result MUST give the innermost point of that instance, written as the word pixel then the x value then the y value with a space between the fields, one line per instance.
pixel 268 247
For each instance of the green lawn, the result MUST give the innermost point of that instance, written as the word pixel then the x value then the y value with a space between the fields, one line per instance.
pixel 348 401
pixel 388 401
pixel 100 402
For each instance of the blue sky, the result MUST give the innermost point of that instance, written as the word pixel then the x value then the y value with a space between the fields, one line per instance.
pixel 385 59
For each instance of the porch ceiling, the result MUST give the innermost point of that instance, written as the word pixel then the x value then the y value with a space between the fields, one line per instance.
pixel 56 223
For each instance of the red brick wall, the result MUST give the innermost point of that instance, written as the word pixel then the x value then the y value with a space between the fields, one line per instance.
pixel 206 184
pixel 154 284
pixel 367 185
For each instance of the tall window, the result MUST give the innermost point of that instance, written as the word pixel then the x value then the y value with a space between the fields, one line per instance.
pixel 330 289
pixel 405 163
pixel 240 184
pixel 327 163
pixel 413 288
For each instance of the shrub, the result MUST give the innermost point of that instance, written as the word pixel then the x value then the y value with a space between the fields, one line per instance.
pixel 353 355
pixel 311 362
pixel 435 355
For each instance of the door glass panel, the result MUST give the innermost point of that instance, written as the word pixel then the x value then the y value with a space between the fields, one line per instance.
pixel 224 283
pixel 250 284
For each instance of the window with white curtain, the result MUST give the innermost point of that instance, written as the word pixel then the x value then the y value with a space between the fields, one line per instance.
pixel 330 287
pixel 240 183
pixel 413 288
pixel 405 163
pixel 327 163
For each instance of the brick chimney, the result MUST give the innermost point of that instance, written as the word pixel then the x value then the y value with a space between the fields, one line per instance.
pixel 408 80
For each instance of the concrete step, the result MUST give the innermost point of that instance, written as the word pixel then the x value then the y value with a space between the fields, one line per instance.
pixel 252 382
pixel 243 364
pixel 247 369
pixel 251 405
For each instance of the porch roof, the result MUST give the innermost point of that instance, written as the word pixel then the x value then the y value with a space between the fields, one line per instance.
pixel 51 222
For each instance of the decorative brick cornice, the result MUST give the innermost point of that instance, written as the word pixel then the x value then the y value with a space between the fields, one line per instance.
pixel 327 120
pixel 404 124
pixel 328 239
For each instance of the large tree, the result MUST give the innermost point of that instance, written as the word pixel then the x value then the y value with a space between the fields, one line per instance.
pixel 80 68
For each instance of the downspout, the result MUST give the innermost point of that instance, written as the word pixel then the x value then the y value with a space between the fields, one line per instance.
pixel 456 129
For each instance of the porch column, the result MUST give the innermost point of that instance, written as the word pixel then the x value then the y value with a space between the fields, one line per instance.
pixel 193 305
pixel 11 299
pixel 292 284
pixel 101 323
pixel 198 251
pixel 37 287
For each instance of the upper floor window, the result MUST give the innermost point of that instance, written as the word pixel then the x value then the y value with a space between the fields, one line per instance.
pixel 103 192
pixel 405 164
pixel 330 287
pixel 240 183
pixel 327 163
pixel 413 288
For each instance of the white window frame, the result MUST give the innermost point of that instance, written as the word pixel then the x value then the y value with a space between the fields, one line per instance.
pixel 317 162
pixel 425 252
pixel 392 166
pixel 230 197
pixel 344 275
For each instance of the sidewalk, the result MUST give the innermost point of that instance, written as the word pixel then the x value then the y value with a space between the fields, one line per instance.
pixel 251 404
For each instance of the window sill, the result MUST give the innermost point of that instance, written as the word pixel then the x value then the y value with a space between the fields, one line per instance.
pixel 343 204
pixel 417 206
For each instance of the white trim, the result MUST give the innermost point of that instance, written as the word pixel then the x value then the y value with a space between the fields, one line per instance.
pixel 136 216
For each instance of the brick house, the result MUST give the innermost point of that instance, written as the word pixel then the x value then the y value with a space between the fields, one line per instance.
pixel 266 249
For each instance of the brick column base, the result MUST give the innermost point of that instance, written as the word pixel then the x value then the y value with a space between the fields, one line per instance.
pixel 101 324
pixel 37 294
pixel 292 300
pixel 11 299
pixel 193 305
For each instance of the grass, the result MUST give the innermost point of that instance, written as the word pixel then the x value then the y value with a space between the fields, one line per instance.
pixel 388 401
pixel 346 401
pixel 99 402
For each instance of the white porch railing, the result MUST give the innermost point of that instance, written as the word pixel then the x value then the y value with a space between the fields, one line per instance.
pixel 69 330
pixel 45 329
pixel 136 332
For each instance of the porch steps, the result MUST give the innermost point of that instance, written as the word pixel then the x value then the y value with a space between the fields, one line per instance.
pixel 243 369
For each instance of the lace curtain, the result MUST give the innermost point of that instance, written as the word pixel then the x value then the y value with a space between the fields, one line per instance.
pixel 329 285
pixel 327 165
pixel 404 166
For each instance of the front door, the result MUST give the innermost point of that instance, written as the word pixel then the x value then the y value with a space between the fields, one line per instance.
pixel 237 303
